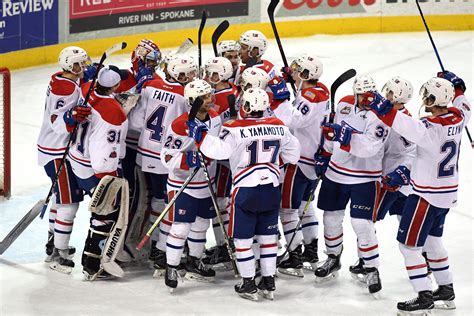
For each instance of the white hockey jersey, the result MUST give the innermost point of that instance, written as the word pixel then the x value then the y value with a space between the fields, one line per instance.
pixel 62 95
pixel 304 120
pixel 398 151
pixel 160 104
pixel 100 141
pixel 177 143
pixel 361 161
pixel 434 174
pixel 253 147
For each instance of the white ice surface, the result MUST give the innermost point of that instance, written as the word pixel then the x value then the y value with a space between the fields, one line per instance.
pixel 28 287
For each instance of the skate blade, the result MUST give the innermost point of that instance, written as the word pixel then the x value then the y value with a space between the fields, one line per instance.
pixel 222 266
pixel 445 305
pixel 310 266
pixel 196 277
pixel 266 294
pixel 421 312
pixel 171 289
pixel 327 278
pixel 292 272
pixel 249 296
pixel 57 267
pixel 159 273
pixel 359 277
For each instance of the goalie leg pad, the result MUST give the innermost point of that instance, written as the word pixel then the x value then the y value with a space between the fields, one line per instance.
pixel 98 233
pixel 105 194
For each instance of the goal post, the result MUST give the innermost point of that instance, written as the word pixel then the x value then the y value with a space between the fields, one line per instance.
pixel 5 137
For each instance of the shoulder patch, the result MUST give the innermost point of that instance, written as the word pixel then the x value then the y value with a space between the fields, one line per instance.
pixel 179 125
pixel 109 110
pixel 62 86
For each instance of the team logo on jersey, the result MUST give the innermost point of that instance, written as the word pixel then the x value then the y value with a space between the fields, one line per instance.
pixel 345 110
pixel 309 94
pixel 181 212
pixel 113 154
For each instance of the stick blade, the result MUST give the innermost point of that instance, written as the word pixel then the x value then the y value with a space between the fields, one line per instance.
pixel 115 48
pixel 21 226
pixel 220 29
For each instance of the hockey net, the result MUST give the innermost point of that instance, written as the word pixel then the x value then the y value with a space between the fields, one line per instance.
pixel 4 132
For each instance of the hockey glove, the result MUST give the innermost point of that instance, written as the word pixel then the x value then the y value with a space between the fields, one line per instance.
pixel 321 162
pixel 196 130
pixel 141 81
pixel 377 103
pixel 338 133
pixel 455 80
pixel 286 73
pixel 395 179
pixel 192 159
pixel 279 89
pixel 90 71
pixel 77 114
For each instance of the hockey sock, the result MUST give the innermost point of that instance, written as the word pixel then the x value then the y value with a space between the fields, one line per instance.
pixel 367 245
pixel 309 224
pixel 164 230
pixel 197 237
pixel 333 231
pixel 416 267
pixel 52 216
pixel 289 220
pixel 268 254
pixel 175 242
pixel 223 204
pixel 245 257
pixel 157 205
pixel 63 224
pixel 438 260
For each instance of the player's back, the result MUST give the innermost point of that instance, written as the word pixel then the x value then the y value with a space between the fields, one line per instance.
pixel 62 94
pixel 161 103
pixel 435 169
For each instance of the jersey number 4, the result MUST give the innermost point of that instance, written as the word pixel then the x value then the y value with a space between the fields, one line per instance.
pixel 154 124
pixel 272 146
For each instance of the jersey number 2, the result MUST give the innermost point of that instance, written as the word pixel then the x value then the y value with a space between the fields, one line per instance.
pixel 445 170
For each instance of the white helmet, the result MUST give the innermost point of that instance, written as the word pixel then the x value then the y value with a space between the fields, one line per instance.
pixel 363 84
pixel 402 89
pixel 439 90
pixel 255 77
pixel 254 39
pixel 181 64
pixel 256 100
pixel 227 46
pixel 308 63
pixel 196 88
pixel 220 65
pixel 71 55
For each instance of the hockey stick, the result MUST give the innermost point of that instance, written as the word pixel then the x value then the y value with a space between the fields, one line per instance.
pixel 107 53
pixel 220 29
pixel 347 75
pixel 192 115
pixel 166 210
pixel 201 29
pixel 439 58
pixel 231 101
pixel 185 46
pixel 271 15
pixel 21 226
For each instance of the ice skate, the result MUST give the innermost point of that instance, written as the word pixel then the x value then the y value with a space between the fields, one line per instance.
pixel 358 272
pixel 247 289
pixel 196 270
pixel 329 269
pixel 52 253
pixel 443 297
pixel 218 258
pixel 266 287
pixel 293 265
pixel 374 284
pixel 420 305
pixel 171 277
pixel 159 263
pixel 62 263
pixel 90 275
pixel 310 255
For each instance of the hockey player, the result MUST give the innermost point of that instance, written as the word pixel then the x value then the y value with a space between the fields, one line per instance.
pixel 230 50
pixel 218 72
pixel 353 173
pixel 161 102
pixel 300 179
pixel 61 97
pixel 396 165
pixel 95 154
pixel 253 146
pixel 193 209
pixel 434 178
pixel 253 45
